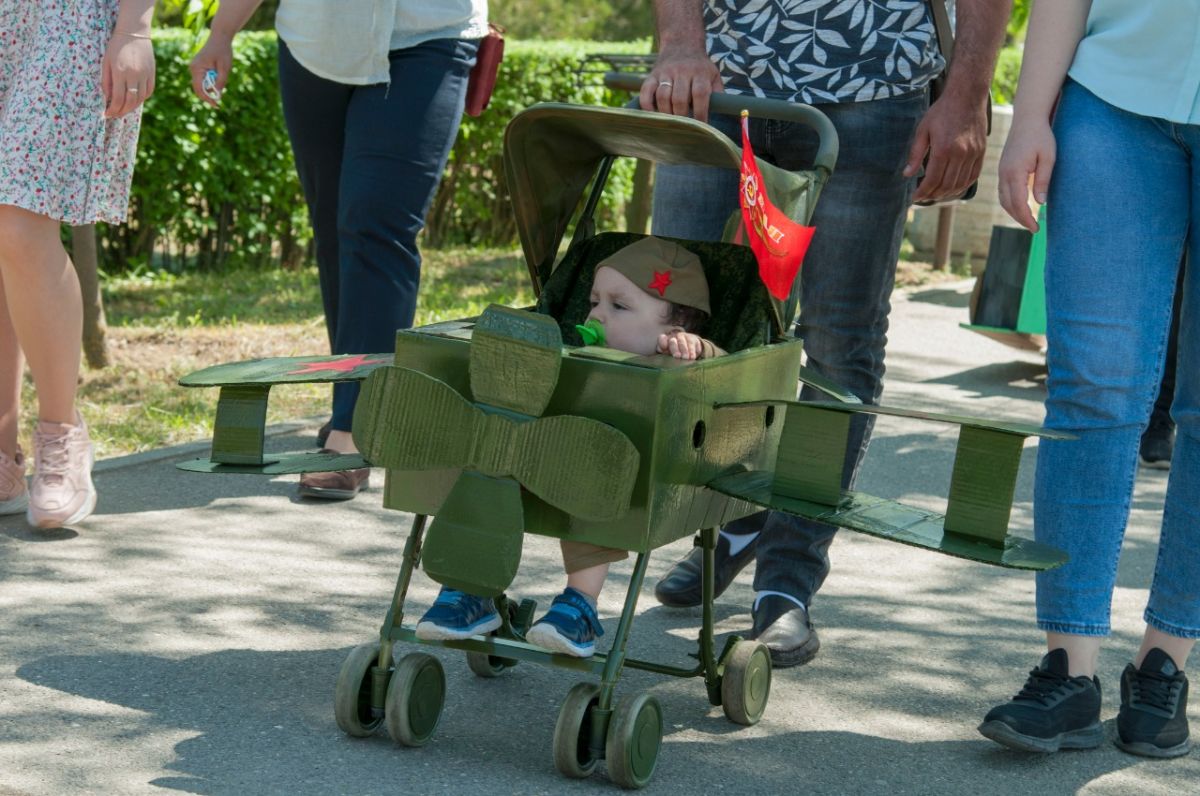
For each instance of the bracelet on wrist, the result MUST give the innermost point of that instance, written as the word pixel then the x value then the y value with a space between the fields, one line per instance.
pixel 145 36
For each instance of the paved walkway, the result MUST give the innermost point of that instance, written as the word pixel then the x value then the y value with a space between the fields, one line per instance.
pixel 187 640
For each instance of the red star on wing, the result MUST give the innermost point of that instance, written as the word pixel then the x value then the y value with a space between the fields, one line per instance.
pixel 338 365
pixel 661 281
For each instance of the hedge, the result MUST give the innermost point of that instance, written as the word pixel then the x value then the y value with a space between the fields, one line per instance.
pixel 216 186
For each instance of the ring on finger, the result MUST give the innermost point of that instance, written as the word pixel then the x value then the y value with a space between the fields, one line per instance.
pixel 666 83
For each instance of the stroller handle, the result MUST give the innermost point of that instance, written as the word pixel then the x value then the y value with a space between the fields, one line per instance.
pixel 734 104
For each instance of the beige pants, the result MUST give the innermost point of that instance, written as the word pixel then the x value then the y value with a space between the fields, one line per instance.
pixel 583 555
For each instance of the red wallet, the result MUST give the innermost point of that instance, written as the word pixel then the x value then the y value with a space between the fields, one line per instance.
pixel 483 75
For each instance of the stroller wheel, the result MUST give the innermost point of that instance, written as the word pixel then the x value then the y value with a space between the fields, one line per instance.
pixel 352 697
pixel 573 732
pixel 634 738
pixel 484 665
pixel 746 684
pixel 415 697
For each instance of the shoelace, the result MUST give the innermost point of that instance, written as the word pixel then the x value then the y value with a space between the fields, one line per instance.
pixel 54 458
pixel 1154 690
pixel 1041 685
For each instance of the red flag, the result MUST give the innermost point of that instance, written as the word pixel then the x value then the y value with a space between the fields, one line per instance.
pixel 779 244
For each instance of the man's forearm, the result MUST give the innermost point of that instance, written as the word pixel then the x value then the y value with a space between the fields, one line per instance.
pixel 979 32
pixel 680 25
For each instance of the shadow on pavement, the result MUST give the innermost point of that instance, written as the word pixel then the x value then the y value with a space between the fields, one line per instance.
pixel 261 722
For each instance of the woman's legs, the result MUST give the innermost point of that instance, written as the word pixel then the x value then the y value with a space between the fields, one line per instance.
pixel 12 365
pixel 398 138
pixel 43 317
pixel 44 310
pixel 1173 610
pixel 314 110
pixel 1110 282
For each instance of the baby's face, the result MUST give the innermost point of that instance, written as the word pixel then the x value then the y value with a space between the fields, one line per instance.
pixel 632 318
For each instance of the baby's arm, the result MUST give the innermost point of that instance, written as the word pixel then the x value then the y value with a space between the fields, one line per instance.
pixel 685 345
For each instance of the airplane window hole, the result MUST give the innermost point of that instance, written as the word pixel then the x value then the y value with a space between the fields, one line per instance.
pixel 770 417
pixel 698 432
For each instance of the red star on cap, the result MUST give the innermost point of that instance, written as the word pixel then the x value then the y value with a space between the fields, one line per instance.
pixel 339 366
pixel 661 281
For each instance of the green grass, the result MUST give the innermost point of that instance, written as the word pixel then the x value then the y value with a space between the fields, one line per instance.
pixel 455 283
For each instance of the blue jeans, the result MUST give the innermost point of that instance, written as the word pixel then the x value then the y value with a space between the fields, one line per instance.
pixel 1124 202
pixel 845 283
pixel 370 159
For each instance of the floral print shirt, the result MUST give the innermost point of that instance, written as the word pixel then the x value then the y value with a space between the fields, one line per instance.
pixel 823 51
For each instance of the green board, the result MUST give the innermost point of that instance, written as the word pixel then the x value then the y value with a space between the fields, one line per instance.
pixel 894 521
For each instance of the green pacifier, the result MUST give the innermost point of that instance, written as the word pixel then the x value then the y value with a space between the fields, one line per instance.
pixel 592 332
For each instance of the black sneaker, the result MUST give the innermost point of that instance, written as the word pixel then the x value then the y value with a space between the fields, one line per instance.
pixel 1052 711
pixel 1153 718
pixel 1158 442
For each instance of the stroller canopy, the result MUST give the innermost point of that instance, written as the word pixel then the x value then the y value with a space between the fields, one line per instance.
pixel 552 151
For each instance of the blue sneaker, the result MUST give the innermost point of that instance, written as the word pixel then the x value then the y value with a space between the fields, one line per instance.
pixel 457 615
pixel 570 626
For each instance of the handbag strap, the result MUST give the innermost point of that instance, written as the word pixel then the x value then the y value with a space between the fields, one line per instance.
pixel 941 26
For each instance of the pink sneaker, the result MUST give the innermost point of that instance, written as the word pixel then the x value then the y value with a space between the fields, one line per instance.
pixel 61 492
pixel 14 497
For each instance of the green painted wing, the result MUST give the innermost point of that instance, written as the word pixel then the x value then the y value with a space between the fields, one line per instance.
pixel 808 475
pixel 888 519
pixel 288 370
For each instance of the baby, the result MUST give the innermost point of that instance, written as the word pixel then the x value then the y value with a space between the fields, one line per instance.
pixel 648 298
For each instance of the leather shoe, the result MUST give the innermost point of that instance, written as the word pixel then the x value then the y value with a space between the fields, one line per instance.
pixel 681 586
pixel 323 433
pixel 335 485
pixel 784 627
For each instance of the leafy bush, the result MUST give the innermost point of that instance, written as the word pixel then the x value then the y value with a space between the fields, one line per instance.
pixel 212 184
pixel 598 20
pixel 217 185
pixel 1008 69
pixel 472 205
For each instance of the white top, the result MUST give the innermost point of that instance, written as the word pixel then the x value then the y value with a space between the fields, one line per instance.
pixel 348 41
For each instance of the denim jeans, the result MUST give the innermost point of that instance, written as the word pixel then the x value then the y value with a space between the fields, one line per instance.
pixel 370 159
pixel 1124 201
pixel 845 282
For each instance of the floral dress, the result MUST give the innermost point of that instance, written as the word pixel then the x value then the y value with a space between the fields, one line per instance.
pixel 59 156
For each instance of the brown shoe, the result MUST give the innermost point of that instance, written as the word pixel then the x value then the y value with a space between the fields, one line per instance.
pixel 335 485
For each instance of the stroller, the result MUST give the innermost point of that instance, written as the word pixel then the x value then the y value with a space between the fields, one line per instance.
pixel 507 424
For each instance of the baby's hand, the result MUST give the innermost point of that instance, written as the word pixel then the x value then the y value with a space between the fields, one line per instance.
pixel 681 344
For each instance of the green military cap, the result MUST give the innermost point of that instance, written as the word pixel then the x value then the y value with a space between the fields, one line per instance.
pixel 663 269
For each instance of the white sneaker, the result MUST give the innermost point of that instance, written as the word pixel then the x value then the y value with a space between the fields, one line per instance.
pixel 61 492
pixel 14 496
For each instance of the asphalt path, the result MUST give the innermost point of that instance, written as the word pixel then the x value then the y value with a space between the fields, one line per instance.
pixel 188 637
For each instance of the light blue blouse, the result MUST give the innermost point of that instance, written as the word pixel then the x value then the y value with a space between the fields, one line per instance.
pixel 1143 56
